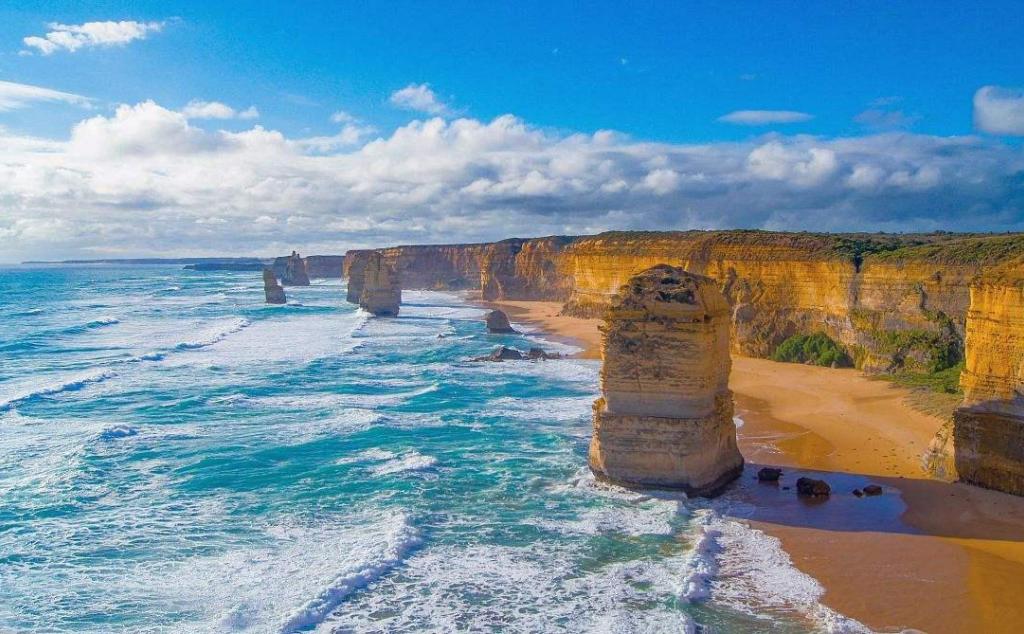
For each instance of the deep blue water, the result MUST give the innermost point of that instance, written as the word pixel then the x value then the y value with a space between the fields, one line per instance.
pixel 177 456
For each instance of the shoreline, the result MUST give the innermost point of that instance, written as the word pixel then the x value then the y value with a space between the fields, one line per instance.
pixel 930 555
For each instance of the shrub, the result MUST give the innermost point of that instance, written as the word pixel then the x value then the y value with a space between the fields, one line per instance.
pixel 817 349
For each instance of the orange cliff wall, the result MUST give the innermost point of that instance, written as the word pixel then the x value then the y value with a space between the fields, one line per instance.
pixel 988 429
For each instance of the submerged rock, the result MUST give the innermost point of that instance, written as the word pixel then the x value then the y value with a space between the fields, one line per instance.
pixel 665 418
pixel 872 489
pixel 813 487
pixel 382 292
pixel 271 289
pixel 769 474
pixel 497 322
pixel 539 353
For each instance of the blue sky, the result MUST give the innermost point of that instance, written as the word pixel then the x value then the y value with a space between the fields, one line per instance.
pixel 817 86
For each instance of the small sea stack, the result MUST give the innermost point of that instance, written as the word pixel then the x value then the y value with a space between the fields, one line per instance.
pixel 273 291
pixel 294 273
pixel 355 273
pixel 665 415
pixel 497 323
pixel 382 292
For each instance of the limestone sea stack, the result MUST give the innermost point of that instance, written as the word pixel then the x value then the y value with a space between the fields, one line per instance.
pixel 382 291
pixel 355 272
pixel 295 271
pixel 272 290
pixel 497 322
pixel 988 429
pixel 665 415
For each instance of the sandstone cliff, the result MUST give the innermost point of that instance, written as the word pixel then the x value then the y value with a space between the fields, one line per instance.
pixel 665 415
pixel 988 429
pixel 382 291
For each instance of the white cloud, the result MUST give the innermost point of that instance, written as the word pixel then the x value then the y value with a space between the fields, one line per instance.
pixel 14 96
pixel 144 180
pixel 72 37
pixel 198 109
pixel 418 97
pixel 999 110
pixel 342 117
pixel 764 117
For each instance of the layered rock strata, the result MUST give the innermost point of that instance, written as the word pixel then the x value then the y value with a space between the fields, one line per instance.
pixel 988 429
pixel 271 289
pixel 665 417
pixel 381 293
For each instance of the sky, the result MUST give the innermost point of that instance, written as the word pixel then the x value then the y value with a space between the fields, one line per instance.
pixel 153 129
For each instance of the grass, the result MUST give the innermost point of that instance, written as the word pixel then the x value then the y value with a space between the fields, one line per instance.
pixel 934 393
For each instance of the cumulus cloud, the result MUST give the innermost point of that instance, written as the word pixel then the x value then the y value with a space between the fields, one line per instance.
pixel 999 110
pixel 144 180
pixel 764 117
pixel 420 98
pixel 14 96
pixel 198 109
pixel 72 37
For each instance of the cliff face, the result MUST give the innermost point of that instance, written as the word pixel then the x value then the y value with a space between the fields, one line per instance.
pixel 665 415
pixel 988 429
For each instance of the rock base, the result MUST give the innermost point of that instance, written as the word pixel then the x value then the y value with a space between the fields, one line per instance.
pixel 696 455
pixel 990 450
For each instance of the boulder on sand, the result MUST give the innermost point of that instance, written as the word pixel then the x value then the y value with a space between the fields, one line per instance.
pixel 769 474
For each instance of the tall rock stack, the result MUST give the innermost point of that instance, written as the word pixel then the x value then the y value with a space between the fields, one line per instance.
pixel 665 415
pixel 355 272
pixel 273 291
pixel 988 429
pixel 382 290
pixel 294 271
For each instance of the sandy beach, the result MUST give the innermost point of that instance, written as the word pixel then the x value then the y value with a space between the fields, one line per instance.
pixel 927 555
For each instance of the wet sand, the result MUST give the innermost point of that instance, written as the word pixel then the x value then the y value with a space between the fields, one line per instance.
pixel 930 555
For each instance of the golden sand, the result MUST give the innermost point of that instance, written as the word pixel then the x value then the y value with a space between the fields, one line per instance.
pixel 930 555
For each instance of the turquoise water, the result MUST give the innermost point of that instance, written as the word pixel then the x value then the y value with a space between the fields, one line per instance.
pixel 176 456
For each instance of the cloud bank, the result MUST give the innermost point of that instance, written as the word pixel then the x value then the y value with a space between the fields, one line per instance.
pixel 73 37
pixel 14 96
pixel 146 181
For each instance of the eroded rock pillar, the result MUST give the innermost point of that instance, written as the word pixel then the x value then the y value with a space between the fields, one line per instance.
pixel 665 415
pixel 382 291
pixel 271 289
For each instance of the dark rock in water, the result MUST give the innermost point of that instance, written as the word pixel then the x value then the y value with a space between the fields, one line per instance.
pixel 872 489
pixel 294 271
pixel 497 322
pixel 272 290
pixel 769 474
pixel 858 493
pixel 812 487
pixel 502 353
pixel 539 353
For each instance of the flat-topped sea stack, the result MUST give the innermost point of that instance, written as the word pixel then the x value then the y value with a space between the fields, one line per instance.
pixel 273 291
pixel 988 429
pixel 381 293
pixel 665 417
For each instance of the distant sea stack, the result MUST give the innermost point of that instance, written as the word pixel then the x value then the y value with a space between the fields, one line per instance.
pixel 292 270
pixel 988 429
pixel 665 415
pixel 273 290
pixel 382 292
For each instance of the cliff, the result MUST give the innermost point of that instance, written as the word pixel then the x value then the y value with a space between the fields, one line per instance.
pixel 665 415
pixel 324 266
pixel 988 429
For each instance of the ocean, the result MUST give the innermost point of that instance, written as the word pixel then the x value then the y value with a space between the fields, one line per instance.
pixel 177 456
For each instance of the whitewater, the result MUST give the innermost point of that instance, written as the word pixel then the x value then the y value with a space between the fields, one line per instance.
pixel 177 456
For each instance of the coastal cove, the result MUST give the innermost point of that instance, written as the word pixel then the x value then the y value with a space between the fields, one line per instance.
pixel 928 555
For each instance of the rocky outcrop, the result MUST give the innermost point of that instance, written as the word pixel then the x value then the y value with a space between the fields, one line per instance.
pixel 291 270
pixel 271 289
pixel 497 322
pixel 988 429
pixel 382 292
pixel 665 415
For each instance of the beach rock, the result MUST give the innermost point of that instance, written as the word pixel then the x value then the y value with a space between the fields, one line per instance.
pixel 769 474
pixel 539 354
pixel 294 271
pixel 813 487
pixel 665 417
pixel 497 322
pixel 858 493
pixel 502 353
pixel 271 289
pixel 382 292
pixel 872 489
